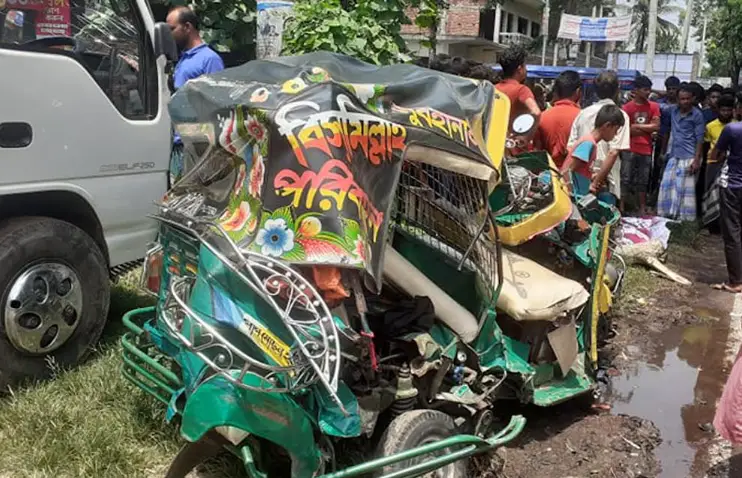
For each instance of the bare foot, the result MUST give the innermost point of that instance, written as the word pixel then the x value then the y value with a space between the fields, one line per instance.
pixel 735 289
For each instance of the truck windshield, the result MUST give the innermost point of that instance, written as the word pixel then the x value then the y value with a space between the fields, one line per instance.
pixel 109 44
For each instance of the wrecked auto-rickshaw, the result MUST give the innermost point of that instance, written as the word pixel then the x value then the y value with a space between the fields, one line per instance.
pixel 332 267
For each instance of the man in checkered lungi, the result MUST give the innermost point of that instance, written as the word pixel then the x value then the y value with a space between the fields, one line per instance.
pixel 677 196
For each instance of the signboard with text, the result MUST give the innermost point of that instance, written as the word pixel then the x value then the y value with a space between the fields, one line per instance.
pixel 52 19
pixel 54 22
pixel 577 28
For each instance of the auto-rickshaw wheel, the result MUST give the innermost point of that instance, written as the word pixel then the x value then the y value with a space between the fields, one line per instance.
pixel 413 429
pixel 191 455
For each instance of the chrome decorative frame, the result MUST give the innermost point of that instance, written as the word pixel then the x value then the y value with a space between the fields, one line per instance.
pixel 316 352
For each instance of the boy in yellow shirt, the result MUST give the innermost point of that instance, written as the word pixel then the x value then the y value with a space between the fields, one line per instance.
pixel 713 131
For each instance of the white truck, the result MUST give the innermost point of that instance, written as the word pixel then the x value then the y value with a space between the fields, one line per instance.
pixel 85 139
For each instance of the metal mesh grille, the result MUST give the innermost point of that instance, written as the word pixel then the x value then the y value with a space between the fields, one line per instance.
pixel 448 211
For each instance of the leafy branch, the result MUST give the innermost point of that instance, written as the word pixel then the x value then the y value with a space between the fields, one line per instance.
pixel 229 25
pixel 365 29
pixel 429 13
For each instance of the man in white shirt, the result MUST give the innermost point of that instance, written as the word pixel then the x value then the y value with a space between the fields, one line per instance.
pixel 606 88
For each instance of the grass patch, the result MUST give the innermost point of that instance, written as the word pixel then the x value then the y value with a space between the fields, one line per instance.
pixel 88 422
pixel 684 233
pixel 85 423
pixel 639 283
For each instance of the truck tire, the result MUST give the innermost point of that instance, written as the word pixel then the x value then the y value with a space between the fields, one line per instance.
pixel 54 297
pixel 413 429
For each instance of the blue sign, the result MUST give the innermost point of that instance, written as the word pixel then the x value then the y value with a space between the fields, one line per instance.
pixel 593 30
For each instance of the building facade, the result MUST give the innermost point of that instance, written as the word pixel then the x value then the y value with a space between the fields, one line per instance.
pixel 469 30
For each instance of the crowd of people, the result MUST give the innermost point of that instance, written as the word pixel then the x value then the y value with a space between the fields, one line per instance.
pixel 681 151
pixel 678 151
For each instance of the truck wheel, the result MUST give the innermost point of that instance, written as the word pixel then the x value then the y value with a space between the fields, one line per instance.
pixel 54 294
pixel 413 429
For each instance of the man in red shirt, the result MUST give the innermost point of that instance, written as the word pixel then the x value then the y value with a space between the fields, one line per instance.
pixel 556 122
pixel 513 62
pixel 636 165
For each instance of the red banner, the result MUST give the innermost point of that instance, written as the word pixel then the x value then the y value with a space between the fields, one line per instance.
pixel 54 22
pixel 53 18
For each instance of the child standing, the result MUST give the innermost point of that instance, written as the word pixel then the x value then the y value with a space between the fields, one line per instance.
pixel 636 165
pixel 577 168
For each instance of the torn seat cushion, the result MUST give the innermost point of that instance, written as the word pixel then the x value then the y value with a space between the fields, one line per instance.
pixel 530 291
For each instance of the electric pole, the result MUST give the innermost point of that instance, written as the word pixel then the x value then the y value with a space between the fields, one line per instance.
pixel 703 40
pixel 651 38
pixel 686 27
pixel 544 30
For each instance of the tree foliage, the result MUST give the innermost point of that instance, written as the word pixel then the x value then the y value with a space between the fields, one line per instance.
pixel 429 13
pixel 724 40
pixel 389 14
pixel 667 41
pixel 365 29
pixel 229 25
pixel 668 34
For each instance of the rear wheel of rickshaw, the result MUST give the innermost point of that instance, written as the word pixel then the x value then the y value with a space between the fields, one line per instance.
pixel 191 455
pixel 416 428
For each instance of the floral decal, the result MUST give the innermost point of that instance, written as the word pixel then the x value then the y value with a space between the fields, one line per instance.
pixel 364 92
pixel 236 220
pixel 310 227
pixel 293 86
pixel 368 94
pixel 318 75
pixel 244 134
pixel 275 238
pixel 255 129
pixel 304 239
pixel 359 249
pixel 231 136
pixel 260 95
pixel 239 184
pixel 257 173
pixel 284 233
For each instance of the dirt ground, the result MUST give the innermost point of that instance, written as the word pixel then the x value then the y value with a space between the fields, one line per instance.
pixel 568 445
pixel 665 369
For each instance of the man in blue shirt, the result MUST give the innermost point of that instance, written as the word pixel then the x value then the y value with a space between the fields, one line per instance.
pixel 672 83
pixel 730 198
pixel 677 195
pixel 196 59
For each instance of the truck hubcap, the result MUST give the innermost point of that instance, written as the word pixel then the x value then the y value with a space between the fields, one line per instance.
pixel 43 308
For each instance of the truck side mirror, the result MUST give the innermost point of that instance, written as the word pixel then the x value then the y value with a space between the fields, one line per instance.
pixel 164 43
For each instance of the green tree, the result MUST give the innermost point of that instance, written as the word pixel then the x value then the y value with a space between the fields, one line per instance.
pixel 668 41
pixel 666 30
pixel 228 25
pixel 429 13
pixel 389 14
pixel 724 40
pixel 365 29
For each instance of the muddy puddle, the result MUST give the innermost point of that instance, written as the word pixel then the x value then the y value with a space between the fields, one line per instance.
pixel 675 382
